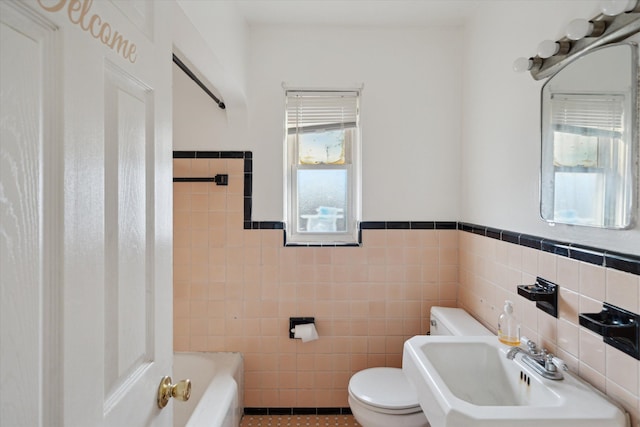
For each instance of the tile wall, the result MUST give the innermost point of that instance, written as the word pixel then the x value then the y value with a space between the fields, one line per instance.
pixel 490 270
pixel 235 289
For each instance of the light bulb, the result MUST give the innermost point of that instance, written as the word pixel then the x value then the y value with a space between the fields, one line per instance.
pixel 616 7
pixel 522 64
pixel 548 48
pixel 578 29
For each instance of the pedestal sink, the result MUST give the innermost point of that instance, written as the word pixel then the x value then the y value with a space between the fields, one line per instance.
pixel 469 382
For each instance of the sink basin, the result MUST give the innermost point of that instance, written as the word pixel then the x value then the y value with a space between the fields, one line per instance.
pixel 468 381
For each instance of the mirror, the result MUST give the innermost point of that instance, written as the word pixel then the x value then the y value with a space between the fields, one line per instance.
pixel 589 140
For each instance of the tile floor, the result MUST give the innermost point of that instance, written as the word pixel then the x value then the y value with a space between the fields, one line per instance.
pixel 299 421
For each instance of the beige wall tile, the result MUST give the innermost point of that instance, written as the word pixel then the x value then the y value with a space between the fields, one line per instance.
pixel 530 261
pixel 622 369
pixel 592 281
pixel 568 337
pixel 182 168
pixel 622 290
pixel 547 266
pixel 568 305
pixel 568 273
pixel 235 290
pixel 592 351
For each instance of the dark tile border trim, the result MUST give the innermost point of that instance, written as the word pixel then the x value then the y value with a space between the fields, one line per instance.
pixel 408 225
pixel 618 261
pixel 248 183
pixel 297 411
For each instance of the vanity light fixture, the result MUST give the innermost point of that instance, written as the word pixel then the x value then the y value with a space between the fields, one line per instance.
pixel 616 7
pixel 619 20
pixel 581 28
pixel 523 64
pixel 549 48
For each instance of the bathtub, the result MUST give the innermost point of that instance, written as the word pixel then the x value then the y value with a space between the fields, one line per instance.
pixel 216 389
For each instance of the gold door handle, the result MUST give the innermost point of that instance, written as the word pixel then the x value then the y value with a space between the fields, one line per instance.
pixel 181 391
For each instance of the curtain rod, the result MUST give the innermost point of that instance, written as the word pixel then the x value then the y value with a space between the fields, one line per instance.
pixel 189 73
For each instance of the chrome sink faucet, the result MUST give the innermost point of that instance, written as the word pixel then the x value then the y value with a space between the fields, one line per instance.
pixel 543 362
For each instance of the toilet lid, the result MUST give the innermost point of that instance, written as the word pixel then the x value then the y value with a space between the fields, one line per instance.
pixel 386 388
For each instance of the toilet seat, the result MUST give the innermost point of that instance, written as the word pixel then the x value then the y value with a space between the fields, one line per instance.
pixel 384 390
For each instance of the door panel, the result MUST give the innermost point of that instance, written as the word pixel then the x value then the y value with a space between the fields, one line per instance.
pixel 129 289
pixel 86 226
pixel 30 285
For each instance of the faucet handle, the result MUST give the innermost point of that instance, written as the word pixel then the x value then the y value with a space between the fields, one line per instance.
pixel 548 361
pixel 559 363
pixel 532 346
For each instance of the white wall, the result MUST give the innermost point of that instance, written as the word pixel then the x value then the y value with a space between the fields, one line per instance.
pixel 501 131
pixel 450 132
pixel 198 123
pixel 210 38
pixel 223 28
pixel 410 112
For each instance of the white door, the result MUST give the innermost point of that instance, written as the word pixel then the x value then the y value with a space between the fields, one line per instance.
pixel 85 205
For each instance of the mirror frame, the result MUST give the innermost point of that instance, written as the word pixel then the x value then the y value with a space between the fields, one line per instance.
pixel 634 134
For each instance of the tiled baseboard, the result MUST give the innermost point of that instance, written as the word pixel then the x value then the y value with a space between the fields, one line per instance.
pixel 297 411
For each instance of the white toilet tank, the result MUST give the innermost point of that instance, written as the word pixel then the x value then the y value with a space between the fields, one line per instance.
pixel 455 321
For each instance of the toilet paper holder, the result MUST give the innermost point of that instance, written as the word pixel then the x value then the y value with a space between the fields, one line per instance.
pixel 294 321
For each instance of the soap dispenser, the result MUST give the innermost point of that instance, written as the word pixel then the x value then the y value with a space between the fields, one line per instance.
pixel 508 327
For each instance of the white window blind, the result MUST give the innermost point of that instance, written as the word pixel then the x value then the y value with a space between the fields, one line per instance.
pixel 309 111
pixel 581 111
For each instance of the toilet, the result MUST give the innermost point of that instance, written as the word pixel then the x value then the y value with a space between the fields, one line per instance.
pixel 383 397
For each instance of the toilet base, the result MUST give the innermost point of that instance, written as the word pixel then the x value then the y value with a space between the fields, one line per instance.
pixel 368 418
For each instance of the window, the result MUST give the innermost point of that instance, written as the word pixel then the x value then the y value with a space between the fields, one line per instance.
pixel 322 178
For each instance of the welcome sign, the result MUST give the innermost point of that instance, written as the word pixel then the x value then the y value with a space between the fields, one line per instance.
pixel 79 13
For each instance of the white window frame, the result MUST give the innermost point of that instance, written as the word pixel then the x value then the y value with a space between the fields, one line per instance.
pixel 352 166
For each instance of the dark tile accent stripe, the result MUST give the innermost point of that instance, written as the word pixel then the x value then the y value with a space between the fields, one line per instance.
pixel 586 254
pixel 446 225
pixel 265 225
pixel 213 155
pixel 232 154
pixel 184 154
pixel 423 225
pixel 373 225
pixel 209 154
pixel 398 225
pixel 531 241
pixel 509 236
pixel 555 247
pixel 623 262
pixel 493 233
pixel 321 245
pixel 248 184
pixel 618 261
pixel 304 411
pixel 247 208
pixel 297 411
pixel 408 225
